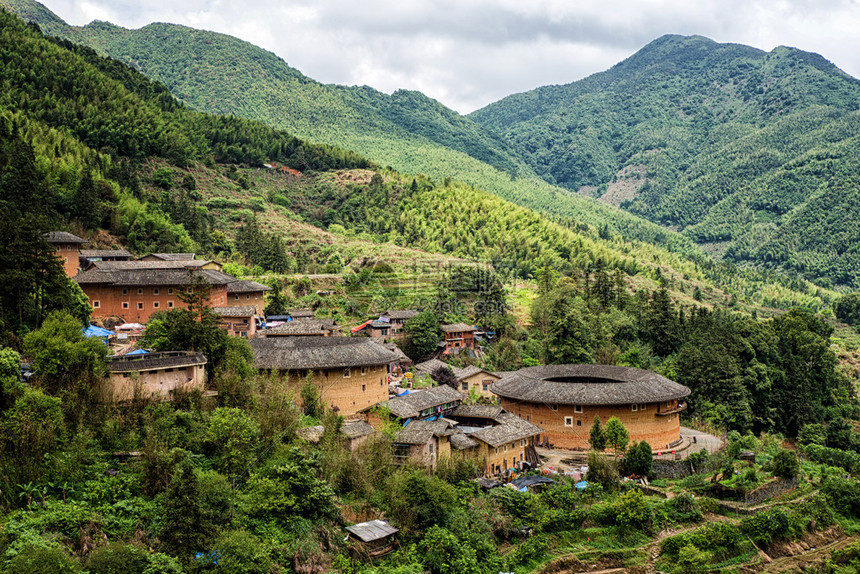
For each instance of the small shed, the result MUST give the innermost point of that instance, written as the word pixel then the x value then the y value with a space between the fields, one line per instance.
pixel 373 538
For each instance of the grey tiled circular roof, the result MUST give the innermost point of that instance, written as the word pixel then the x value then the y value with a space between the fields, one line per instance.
pixel 587 385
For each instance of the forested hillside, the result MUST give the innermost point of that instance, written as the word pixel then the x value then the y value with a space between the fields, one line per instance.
pixel 413 134
pixel 751 154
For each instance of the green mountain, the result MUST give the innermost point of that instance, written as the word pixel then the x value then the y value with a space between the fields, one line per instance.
pixel 752 154
pixel 406 130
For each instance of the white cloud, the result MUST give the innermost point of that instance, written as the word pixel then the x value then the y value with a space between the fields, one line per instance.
pixel 470 53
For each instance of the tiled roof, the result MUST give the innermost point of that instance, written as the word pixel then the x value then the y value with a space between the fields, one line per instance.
pixel 235 311
pixel 86 253
pixel 300 353
pixel 458 328
pixel 510 428
pixel 63 237
pixel 172 256
pixel 148 277
pixel 419 432
pixel 408 406
pixel 156 264
pixel 462 441
pixel 154 361
pixel 477 411
pixel 587 385
pixel 246 286
pixel 402 314
pixel 356 429
pixel 305 327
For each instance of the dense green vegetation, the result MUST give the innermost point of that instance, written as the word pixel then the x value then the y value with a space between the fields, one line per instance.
pixel 753 150
pixel 76 130
pixel 226 485
pixel 407 131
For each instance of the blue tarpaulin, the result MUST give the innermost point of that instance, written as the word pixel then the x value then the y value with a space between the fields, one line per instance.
pixel 581 485
pixel 94 331
pixel 406 392
pixel 138 352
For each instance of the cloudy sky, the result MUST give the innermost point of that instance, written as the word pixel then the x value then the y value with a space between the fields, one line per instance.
pixel 468 53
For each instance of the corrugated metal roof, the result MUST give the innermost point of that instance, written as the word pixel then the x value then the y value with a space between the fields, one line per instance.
pixel 372 530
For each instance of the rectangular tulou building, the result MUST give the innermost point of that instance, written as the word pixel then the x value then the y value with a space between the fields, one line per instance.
pixel 350 373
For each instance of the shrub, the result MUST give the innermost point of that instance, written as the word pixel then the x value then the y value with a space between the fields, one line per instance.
pixel 638 459
pixel 785 464
pixel 116 558
pixel 443 553
pixel 691 558
pixel 239 552
pixel 532 548
pixel 713 535
pixel 631 510
pixel 767 526
pixel 843 496
pixel 683 508
pixel 40 560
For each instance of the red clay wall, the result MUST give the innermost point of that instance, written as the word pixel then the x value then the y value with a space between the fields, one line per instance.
pixel 110 300
pixel 68 255
pixel 658 431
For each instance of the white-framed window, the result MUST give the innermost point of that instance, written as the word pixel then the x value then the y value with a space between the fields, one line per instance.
pixel 236 297
pixel 554 407
pixel 364 370
pixel 170 290
pixel 96 304
pixel 155 304
pixel 140 305
pixel 140 291
pixel 346 373
pixel 577 409
pixel 642 407
pixel 125 304
pixel 506 448
pixel 155 291
pixel 568 421
pixel 633 407
pixel 170 304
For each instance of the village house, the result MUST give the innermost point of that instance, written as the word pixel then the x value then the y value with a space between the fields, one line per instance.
pixel 350 373
pixel 247 292
pixel 423 442
pixel 169 257
pixel 304 328
pixel 355 433
pixel 564 399
pixel 471 380
pixel 238 320
pixel 458 337
pixel 379 330
pixel 397 320
pixel 423 404
pixel 371 539
pixel 135 290
pixel 67 246
pixel 501 441
pixel 155 376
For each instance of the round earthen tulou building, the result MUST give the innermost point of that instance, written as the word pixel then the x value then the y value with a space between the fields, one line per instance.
pixel 564 399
